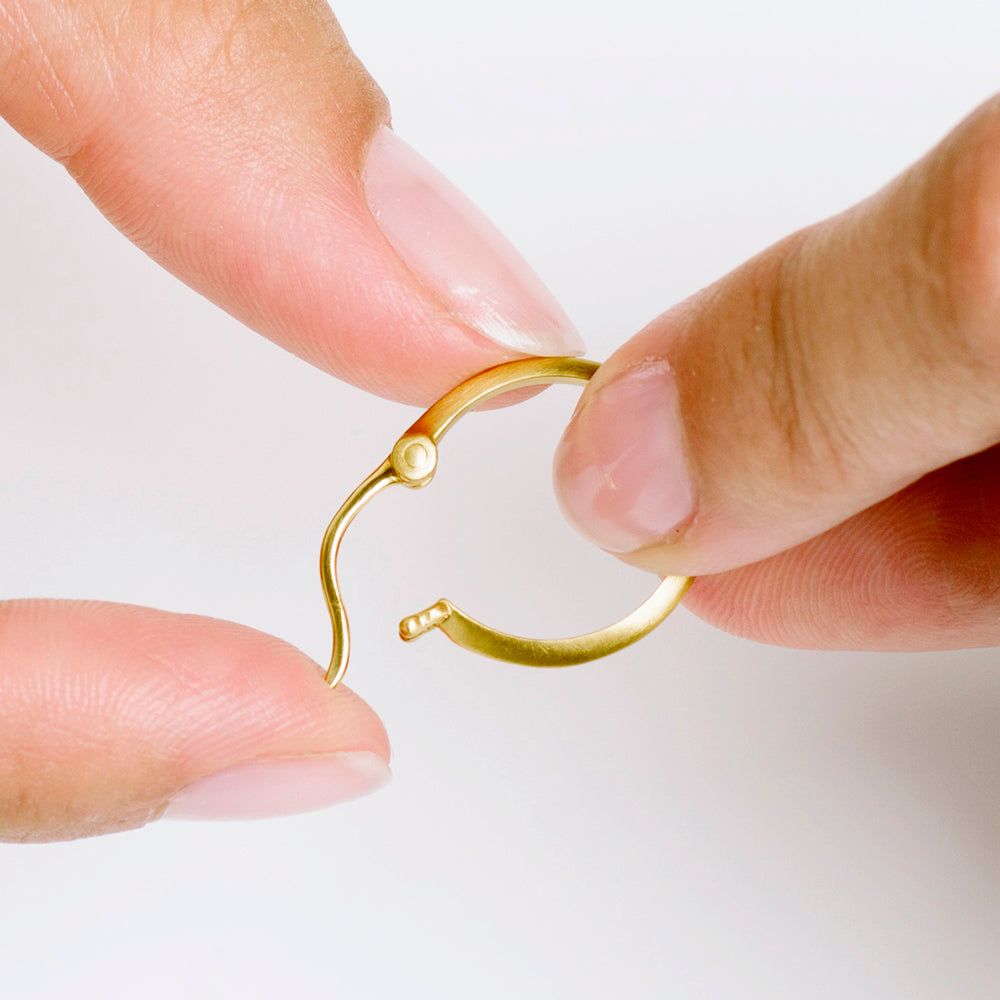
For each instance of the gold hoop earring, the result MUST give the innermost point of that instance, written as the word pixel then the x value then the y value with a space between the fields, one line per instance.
pixel 412 463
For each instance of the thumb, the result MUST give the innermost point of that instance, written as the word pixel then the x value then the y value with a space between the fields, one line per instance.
pixel 819 378
pixel 245 148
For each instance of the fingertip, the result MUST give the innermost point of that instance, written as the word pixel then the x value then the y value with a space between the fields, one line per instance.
pixel 110 712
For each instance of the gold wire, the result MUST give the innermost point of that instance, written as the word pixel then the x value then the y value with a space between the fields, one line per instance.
pixel 412 463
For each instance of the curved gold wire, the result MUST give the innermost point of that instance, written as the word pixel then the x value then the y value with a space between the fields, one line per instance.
pixel 412 463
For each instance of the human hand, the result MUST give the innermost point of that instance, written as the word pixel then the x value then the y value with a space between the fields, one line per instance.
pixel 815 435
pixel 244 147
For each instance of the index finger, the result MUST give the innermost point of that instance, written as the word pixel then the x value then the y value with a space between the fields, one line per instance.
pixel 245 148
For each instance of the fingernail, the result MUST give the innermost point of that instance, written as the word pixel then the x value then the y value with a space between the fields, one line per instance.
pixel 459 255
pixel 281 786
pixel 620 471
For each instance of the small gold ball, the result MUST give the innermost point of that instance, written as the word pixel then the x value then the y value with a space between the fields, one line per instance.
pixel 414 459
pixel 415 456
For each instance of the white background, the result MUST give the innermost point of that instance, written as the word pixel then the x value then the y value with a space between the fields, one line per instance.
pixel 698 817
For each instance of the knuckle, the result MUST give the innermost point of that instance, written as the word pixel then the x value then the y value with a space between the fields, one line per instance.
pixel 19 814
pixel 802 410
pixel 951 583
pixel 958 243
pixel 953 542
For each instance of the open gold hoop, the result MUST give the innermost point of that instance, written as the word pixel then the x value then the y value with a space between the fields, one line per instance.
pixel 412 463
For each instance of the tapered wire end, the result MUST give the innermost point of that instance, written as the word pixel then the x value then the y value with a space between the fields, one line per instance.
pixel 335 674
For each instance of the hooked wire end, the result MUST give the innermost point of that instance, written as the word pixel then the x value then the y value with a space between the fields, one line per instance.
pixel 414 626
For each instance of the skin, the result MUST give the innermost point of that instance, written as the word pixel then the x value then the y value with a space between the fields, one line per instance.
pixel 845 495
pixel 227 140
pixel 174 118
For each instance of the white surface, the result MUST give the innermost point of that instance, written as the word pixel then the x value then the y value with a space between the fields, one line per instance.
pixel 700 817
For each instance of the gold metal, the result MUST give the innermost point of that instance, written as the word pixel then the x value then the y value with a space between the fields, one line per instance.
pixel 412 463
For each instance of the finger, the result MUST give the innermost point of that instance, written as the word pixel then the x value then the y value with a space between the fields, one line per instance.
pixel 112 715
pixel 819 378
pixel 918 571
pixel 245 148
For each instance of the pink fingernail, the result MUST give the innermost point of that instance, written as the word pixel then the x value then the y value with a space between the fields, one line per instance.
pixel 620 471
pixel 459 255
pixel 281 786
